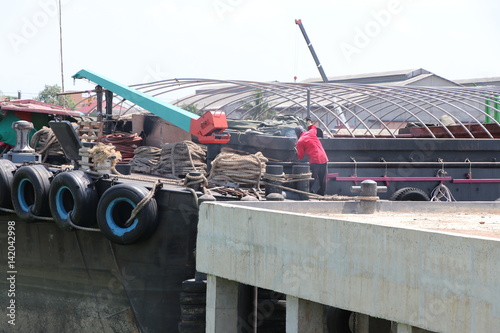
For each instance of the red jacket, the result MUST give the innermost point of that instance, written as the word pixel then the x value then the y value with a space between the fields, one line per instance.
pixel 309 144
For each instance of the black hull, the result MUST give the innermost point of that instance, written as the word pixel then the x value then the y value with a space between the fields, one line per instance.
pixel 78 281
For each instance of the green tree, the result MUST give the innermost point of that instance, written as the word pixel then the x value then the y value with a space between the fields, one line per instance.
pixel 191 108
pixel 49 94
pixel 259 108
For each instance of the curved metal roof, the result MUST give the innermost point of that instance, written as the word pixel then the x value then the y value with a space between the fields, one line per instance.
pixel 352 110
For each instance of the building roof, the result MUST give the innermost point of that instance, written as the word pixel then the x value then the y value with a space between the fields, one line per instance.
pixel 399 78
pixel 488 81
pixel 29 105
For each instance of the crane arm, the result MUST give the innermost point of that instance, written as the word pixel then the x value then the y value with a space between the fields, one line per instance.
pixel 309 44
pixel 207 128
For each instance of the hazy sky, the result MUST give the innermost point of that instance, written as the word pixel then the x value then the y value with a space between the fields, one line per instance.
pixel 148 40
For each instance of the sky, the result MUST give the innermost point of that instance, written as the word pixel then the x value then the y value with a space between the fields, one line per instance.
pixel 149 40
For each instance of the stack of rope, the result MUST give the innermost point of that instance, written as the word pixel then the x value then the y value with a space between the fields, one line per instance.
pixel 238 169
pixel 125 143
pixel 146 159
pixel 45 143
pixel 180 158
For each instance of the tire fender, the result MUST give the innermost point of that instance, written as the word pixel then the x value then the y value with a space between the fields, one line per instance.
pixel 7 169
pixel 30 191
pixel 72 199
pixel 409 194
pixel 115 208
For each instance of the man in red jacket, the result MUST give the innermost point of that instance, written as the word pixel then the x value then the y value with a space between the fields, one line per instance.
pixel 309 144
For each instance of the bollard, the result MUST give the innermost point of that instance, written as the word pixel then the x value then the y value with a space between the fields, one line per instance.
pixel 368 188
pixel 23 129
pixel 22 152
pixel 276 170
pixel 192 179
pixel 302 185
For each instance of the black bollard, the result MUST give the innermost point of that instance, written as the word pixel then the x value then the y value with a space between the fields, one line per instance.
pixel 302 185
pixel 273 170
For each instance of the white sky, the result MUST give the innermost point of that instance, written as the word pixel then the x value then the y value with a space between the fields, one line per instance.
pixel 148 40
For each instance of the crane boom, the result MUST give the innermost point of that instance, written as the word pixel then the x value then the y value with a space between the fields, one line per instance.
pixel 208 128
pixel 309 44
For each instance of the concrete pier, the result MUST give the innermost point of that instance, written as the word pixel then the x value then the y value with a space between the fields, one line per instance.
pixel 408 263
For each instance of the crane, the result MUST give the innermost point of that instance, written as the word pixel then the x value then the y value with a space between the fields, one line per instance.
pixel 208 128
pixel 309 44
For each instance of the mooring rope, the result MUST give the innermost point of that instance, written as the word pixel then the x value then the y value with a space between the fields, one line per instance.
pixel 144 201
pixel 45 143
pixel 288 178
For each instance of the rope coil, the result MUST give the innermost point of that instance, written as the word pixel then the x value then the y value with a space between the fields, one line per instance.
pixel 180 158
pixel 239 169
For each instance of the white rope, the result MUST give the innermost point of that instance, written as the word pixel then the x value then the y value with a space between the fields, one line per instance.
pixel 442 193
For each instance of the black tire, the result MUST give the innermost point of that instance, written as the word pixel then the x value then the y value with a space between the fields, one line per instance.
pixel 193 286
pixel 337 320
pixel 7 169
pixel 193 309
pixel 195 327
pixel 193 298
pixel 30 192
pixel 72 199
pixel 409 194
pixel 115 208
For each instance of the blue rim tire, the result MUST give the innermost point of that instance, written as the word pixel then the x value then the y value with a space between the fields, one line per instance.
pixel 115 208
pixel 30 192
pixel 72 198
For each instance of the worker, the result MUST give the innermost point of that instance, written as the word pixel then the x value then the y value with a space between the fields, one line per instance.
pixel 309 144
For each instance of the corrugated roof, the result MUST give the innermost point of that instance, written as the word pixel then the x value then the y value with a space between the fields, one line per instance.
pixel 29 105
pixel 378 77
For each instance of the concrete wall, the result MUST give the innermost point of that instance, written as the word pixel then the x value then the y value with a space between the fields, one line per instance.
pixel 437 281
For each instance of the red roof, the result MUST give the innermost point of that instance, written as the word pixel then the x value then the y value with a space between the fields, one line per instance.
pixel 30 105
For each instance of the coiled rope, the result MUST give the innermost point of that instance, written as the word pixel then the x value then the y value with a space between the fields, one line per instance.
pixel 239 169
pixel 125 143
pixel 146 159
pixel 45 143
pixel 180 158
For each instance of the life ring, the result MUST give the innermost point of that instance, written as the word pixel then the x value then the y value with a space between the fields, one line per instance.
pixel 7 169
pixel 409 194
pixel 30 191
pixel 73 200
pixel 115 208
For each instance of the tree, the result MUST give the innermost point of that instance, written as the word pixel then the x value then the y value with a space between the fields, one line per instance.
pixel 259 108
pixel 49 94
pixel 191 108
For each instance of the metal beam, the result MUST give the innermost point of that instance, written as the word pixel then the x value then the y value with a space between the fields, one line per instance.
pixel 171 113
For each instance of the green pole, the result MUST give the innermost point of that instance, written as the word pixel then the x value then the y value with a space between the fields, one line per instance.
pixel 497 110
pixel 487 111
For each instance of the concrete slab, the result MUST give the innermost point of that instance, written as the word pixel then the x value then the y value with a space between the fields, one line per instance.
pixel 439 281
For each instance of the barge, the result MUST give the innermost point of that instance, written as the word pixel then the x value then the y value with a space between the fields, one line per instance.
pixel 86 259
